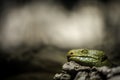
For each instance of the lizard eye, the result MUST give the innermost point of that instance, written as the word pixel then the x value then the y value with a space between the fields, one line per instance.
pixel 104 58
pixel 84 51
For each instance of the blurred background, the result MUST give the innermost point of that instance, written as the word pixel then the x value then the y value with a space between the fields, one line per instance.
pixel 36 34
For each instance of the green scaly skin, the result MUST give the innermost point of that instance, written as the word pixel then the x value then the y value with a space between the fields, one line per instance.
pixel 87 57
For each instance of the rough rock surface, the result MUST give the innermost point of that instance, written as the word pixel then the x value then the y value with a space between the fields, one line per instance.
pixel 73 71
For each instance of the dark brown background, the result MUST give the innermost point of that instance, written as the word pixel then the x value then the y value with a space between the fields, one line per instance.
pixel 34 60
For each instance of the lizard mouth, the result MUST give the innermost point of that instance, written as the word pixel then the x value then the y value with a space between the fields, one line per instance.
pixel 82 58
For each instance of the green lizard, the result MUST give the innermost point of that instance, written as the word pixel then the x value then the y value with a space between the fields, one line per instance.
pixel 87 57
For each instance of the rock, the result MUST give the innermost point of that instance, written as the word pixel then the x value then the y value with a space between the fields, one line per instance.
pixel 74 71
pixel 62 76
pixel 73 66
